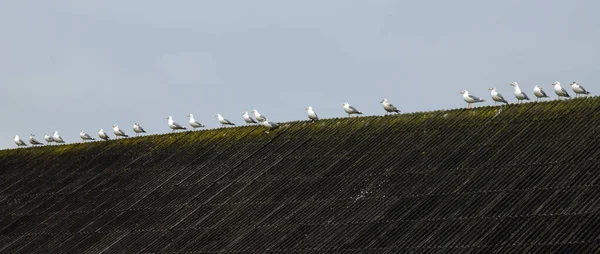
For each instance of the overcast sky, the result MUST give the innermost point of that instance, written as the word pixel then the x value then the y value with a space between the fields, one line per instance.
pixel 85 65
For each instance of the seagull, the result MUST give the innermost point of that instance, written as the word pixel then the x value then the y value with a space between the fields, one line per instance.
pixel 103 135
pixel 497 97
pixel 538 91
pixel 84 136
pixel 258 116
pixel 195 124
pixel 57 138
pixel 137 128
pixel 518 93
pixel 34 141
pixel 224 121
pixel 175 126
pixel 48 138
pixel 350 110
pixel 19 141
pixel 470 98
pixel 270 125
pixel 578 89
pixel 248 118
pixel 388 106
pixel 561 92
pixel 118 132
pixel 311 114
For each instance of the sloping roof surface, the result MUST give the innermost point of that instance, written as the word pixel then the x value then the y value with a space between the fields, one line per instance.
pixel 517 178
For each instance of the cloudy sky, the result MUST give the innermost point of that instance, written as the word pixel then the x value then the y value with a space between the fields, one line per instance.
pixel 76 65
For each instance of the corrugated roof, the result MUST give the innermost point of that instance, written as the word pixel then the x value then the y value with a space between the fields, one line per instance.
pixel 516 178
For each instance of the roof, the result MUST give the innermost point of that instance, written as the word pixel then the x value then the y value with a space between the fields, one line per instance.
pixel 515 178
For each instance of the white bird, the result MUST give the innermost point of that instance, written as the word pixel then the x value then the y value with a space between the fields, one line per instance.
pixel 470 99
pixel 175 126
pixel 538 91
pixel 57 138
pixel 118 132
pixel 248 118
pixel 311 114
pixel 578 89
pixel 48 138
pixel 496 96
pixel 19 141
pixel 561 92
pixel 34 141
pixel 518 93
pixel 350 109
pixel 84 136
pixel 137 128
pixel 224 121
pixel 389 107
pixel 270 125
pixel 103 135
pixel 259 117
pixel 195 124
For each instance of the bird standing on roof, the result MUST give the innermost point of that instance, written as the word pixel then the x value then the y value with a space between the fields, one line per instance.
pixel 520 95
pixel 578 89
pixel 175 126
pixel 312 115
pixel 84 136
pixel 195 124
pixel 561 92
pixel 57 138
pixel 103 135
pixel 470 99
pixel 34 141
pixel 118 132
pixel 350 109
pixel 259 117
pixel 224 121
pixel 137 128
pixel 19 141
pixel 388 107
pixel 496 96
pixel 248 119
pixel 270 125
pixel 538 91
pixel 48 138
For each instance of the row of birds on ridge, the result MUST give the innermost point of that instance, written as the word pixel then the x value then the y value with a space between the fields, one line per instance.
pixel 138 129
pixel 312 115
pixel 538 91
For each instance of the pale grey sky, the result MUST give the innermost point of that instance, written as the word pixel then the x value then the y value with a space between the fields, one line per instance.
pixel 71 65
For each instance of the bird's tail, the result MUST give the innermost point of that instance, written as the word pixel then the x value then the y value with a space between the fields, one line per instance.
pixel 360 113
pixel 125 136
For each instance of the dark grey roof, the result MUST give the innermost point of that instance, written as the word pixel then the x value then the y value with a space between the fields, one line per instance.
pixel 524 180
